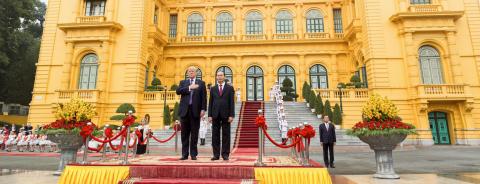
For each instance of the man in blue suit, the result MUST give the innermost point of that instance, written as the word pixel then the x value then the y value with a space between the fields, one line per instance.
pixel 193 104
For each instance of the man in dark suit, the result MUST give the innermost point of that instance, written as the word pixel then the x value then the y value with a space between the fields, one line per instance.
pixel 328 140
pixel 221 110
pixel 193 104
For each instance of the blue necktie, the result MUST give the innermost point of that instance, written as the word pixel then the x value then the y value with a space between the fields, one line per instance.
pixel 191 93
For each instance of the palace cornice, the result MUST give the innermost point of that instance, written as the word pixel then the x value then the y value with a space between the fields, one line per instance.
pixel 404 16
pixel 262 42
pixel 242 4
pixel 113 26
pixel 180 56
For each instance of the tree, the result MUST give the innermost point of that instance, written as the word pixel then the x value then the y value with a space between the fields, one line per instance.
pixel 355 80
pixel 123 108
pixel 166 116
pixel 20 33
pixel 287 88
pixel 319 105
pixel 176 108
pixel 305 91
pixel 173 87
pixel 312 99
pixel 327 111
pixel 156 82
pixel 337 115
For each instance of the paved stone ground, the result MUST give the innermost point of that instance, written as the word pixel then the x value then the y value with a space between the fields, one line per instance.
pixel 348 160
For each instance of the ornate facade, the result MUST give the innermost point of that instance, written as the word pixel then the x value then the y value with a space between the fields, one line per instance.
pixel 423 54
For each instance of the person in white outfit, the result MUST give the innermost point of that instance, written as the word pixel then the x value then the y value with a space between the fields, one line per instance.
pixel 239 97
pixel 203 130
pixel 11 141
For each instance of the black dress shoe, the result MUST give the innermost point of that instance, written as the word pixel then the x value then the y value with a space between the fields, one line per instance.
pixel 225 158
pixel 183 158
pixel 215 158
pixel 332 166
pixel 194 158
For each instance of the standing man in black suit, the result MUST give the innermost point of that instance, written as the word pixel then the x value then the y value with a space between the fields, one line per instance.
pixel 221 110
pixel 328 140
pixel 193 104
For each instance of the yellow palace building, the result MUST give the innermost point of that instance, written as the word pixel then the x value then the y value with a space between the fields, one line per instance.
pixel 423 54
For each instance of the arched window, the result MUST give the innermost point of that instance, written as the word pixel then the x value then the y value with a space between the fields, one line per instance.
pixel 318 77
pixel 254 23
pixel 284 72
pixel 430 65
pixel 88 72
pixel 314 22
pixel 195 25
pixel 199 74
pixel 224 24
pixel 227 71
pixel 284 22
pixel 147 72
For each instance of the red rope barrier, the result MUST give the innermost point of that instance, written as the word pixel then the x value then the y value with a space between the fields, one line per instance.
pixel 134 143
pixel 279 145
pixel 97 149
pixel 166 140
pixel 109 140
pixel 119 146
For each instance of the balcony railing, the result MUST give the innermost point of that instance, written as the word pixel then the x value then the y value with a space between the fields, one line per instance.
pixel 85 95
pixel 425 8
pixel 194 38
pixel 317 35
pixel 91 19
pixel 221 38
pixel 285 36
pixel 339 35
pixel 158 97
pixel 345 93
pixel 254 37
pixel 442 90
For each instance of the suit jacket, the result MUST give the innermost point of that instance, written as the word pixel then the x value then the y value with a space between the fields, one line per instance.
pixel 221 106
pixel 327 136
pixel 199 99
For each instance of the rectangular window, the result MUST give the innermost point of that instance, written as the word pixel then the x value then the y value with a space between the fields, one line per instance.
pixel 94 7
pixel 224 28
pixel 284 26
pixel 315 25
pixel 337 20
pixel 155 16
pixel 420 2
pixel 364 76
pixel 173 26
pixel 254 27
pixel 14 110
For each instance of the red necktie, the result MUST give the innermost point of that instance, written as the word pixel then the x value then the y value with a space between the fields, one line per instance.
pixel 220 90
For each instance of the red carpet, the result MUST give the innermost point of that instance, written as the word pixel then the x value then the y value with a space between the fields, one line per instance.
pixel 247 132
pixel 189 181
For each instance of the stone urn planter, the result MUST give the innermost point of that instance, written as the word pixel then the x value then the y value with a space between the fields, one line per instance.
pixel 383 147
pixel 68 145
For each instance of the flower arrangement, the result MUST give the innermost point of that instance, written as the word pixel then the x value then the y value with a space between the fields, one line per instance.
pixel 72 118
pixel 380 117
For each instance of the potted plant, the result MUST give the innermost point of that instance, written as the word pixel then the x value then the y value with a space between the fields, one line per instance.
pixel 305 89
pixel 166 117
pixel 313 100
pixel 382 130
pixel 319 106
pixel 337 116
pixel 287 88
pixel 70 129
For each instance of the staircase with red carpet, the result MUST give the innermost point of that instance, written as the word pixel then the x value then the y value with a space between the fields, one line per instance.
pixel 247 133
